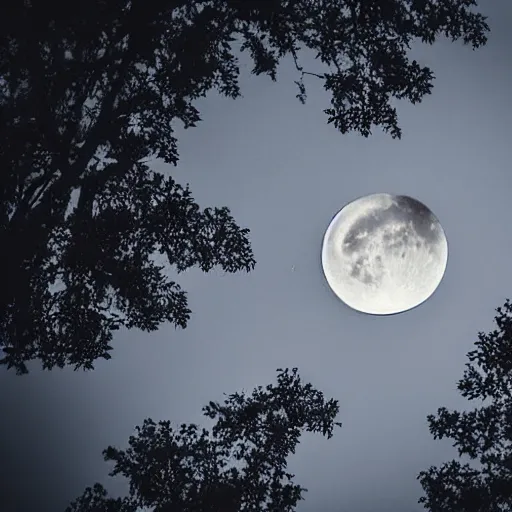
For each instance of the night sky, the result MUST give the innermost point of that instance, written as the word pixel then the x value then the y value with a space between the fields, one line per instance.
pixel 284 173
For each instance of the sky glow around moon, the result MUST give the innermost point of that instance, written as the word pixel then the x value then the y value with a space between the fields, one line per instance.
pixel 384 254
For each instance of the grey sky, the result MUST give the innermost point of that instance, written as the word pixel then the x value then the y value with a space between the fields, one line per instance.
pixel 284 173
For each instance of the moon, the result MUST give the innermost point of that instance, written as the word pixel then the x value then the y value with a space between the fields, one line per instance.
pixel 383 254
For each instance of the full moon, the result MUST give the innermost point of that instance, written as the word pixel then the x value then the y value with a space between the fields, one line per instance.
pixel 384 254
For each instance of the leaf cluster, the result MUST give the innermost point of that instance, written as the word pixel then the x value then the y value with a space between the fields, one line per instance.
pixel 240 465
pixel 484 434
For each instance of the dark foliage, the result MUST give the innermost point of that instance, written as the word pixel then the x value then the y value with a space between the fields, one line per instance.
pixel 483 434
pixel 239 465
pixel 91 90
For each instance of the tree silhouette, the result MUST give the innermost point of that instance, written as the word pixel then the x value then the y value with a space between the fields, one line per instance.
pixel 90 92
pixel 239 465
pixel 483 434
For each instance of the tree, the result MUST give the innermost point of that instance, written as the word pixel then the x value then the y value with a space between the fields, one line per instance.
pixel 92 91
pixel 239 465
pixel 483 434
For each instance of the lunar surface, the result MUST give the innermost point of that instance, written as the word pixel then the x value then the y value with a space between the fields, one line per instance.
pixel 384 254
